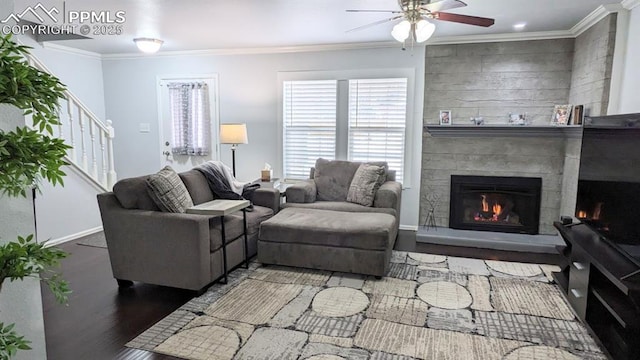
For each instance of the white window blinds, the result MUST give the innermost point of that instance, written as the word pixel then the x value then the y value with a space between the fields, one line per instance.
pixel 191 118
pixel 309 125
pixel 377 121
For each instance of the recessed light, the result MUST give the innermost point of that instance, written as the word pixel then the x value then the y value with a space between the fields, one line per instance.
pixel 519 26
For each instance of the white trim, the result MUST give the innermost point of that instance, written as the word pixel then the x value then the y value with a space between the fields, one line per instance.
pixel 256 51
pixel 521 36
pixel 70 50
pixel 619 60
pixel 409 227
pixel 630 4
pixel 594 17
pixel 75 236
pixel 84 174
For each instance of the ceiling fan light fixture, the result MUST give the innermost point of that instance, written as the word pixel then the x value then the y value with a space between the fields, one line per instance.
pixel 148 45
pixel 424 30
pixel 401 31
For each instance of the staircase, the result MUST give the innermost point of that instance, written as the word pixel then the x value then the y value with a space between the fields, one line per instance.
pixel 90 138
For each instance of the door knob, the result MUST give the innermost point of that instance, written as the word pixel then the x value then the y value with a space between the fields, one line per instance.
pixel 166 143
pixel 166 153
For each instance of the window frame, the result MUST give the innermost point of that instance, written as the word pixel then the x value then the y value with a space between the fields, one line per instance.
pixel 342 127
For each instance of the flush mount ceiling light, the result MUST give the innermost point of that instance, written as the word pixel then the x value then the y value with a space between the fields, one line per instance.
pixel 519 26
pixel 148 45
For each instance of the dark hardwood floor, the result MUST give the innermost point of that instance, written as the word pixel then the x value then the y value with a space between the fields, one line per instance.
pixel 101 318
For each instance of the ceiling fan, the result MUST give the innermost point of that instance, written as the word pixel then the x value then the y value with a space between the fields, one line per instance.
pixel 415 15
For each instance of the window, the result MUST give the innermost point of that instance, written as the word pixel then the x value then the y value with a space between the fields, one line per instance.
pixel 374 123
pixel 309 125
pixel 377 120
pixel 190 118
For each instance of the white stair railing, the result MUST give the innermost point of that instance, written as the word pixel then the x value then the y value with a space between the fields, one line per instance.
pixel 72 128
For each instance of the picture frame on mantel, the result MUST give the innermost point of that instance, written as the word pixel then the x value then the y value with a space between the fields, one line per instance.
pixel 578 115
pixel 445 117
pixel 561 115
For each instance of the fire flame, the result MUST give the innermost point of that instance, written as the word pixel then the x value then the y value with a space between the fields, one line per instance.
pixel 497 209
pixel 597 211
pixel 485 204
pixel 582 214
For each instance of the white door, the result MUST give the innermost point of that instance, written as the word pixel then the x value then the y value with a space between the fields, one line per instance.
pixel 170 140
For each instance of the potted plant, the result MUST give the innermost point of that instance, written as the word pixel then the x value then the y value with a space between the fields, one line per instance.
pixel 28 156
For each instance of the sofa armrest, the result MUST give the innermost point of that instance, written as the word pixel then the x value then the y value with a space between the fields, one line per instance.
pixel 302 192
pixel 266 197
pixel 389 195
pixel 156 247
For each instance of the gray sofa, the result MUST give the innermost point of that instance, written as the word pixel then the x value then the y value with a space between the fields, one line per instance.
pixel 317 227
pixel 175 249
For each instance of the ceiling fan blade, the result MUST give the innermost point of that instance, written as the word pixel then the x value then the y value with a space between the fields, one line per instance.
pixel 375 23
pixel 464 19
pixel 377 11
pixel 443 5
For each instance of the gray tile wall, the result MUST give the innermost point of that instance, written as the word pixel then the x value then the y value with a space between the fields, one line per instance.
pixel 494 79
pixel 507 156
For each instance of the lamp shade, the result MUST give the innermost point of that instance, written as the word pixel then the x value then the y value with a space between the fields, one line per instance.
pixel 148 45
pixel 401 31
pixel 233 134
pixel 424 30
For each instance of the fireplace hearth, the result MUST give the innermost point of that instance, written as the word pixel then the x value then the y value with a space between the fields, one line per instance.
pixel 492 203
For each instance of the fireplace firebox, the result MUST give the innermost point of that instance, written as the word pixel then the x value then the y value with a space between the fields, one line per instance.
pixel 493 203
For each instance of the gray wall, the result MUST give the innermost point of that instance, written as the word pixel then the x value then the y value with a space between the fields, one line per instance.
pixel 248 93
pixel 494 79
pixel 592 63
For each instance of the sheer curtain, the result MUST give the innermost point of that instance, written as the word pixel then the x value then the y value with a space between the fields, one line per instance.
pixel 191 118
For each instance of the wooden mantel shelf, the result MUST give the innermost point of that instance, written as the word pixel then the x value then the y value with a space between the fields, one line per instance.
pixel 570 131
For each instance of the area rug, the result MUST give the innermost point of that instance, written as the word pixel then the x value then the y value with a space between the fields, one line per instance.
pixel 94 240
pixel 427 307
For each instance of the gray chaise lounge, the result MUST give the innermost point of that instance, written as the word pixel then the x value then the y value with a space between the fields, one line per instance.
pixel 175 249
pixel 319 229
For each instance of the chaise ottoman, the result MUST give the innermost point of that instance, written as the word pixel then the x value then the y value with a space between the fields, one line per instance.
pixel 354 242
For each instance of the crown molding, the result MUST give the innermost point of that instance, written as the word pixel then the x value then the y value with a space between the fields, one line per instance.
pixel 70 50
pixel 520 36
pixel 630 4
pixel 594 17
pixel 256 51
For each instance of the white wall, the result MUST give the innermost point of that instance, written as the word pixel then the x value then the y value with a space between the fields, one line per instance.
pixel 71 210
pixel 248 93
pixel 631 75
pixel 20 301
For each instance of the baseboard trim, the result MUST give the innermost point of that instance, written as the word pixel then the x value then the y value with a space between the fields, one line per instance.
pixel 75 236
pixel 409 227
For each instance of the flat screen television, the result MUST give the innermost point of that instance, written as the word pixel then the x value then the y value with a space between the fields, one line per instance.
pixel 608 197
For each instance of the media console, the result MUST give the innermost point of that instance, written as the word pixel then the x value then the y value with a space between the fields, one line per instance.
pixel 603 287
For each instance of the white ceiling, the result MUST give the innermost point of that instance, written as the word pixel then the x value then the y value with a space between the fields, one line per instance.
pixel 232 24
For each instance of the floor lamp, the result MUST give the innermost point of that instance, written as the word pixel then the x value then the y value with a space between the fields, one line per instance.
pixel 233 134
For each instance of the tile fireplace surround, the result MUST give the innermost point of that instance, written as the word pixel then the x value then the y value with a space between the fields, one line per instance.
pixel 551 153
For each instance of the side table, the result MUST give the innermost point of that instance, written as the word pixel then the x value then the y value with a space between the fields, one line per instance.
pixel 221 208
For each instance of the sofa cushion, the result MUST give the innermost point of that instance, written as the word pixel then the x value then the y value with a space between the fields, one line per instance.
pixel 197 186
pixel 365 184
pixel 333 178
pixel 168 191
pixel 233 225
pixel 371 231
pixel 340 206
pixel 132 194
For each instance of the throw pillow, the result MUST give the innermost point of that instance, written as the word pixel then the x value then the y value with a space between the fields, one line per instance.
pixel 365 184
pixel 168 191
pixel 332 178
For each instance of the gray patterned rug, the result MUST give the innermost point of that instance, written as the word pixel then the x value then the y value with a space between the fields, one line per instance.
pixel 428 307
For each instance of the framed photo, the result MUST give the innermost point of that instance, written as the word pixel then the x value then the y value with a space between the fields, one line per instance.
pixel 445 117
pixel 518 119
pixel 578 114
pixel 561 115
